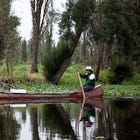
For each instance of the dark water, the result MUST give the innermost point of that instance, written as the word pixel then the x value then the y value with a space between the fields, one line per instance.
pixel 109 120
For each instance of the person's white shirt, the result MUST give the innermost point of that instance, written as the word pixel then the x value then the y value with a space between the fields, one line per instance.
pixel 92 77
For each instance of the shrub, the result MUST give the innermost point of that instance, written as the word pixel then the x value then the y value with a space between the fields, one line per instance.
pixel 104 76
pixel 134 80
pixel 121 72
pixel 70 75
pixel 54 58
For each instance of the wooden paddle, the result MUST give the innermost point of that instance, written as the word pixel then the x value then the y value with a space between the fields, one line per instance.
pixel 84 97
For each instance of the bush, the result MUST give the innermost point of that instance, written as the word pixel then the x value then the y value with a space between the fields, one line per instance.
pixel 53 59
pixel 134 80
pixel 104 76
pixel 120 72
pixel 70 75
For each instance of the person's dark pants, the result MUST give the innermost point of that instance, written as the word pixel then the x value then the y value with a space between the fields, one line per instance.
pixel 87 88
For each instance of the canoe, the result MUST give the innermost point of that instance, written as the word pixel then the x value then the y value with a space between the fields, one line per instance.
pixel 96 93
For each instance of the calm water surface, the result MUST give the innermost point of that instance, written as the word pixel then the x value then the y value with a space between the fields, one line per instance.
pixel 110 119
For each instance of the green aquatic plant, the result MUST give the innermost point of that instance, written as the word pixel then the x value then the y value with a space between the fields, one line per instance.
pixel 121 90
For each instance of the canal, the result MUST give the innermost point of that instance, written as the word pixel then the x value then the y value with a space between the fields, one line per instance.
pixel 108 119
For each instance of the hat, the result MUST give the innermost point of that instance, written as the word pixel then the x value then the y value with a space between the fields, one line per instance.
pixel 89 68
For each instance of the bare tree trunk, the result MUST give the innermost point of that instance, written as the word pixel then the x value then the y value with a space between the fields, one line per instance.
pixel 100 61
pixel 35 53
pixel 6 14
pixel 39 10
pixel 83 47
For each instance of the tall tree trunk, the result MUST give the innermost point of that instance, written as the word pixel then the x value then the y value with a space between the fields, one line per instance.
pixel 100 61
pixel 66 62
pixel 36 43
pixel 36 15
pixel 39 10
pixel 83 47
pixel 5 25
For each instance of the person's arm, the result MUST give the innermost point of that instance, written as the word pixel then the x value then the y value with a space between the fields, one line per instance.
pixel 83 75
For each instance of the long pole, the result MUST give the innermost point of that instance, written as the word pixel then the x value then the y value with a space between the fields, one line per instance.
pixel 84 98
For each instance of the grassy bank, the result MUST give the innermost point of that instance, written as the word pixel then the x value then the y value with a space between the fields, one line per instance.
pixel 109 90
pixel 69 82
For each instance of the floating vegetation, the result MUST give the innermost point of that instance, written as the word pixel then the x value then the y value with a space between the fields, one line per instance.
pixel 121 90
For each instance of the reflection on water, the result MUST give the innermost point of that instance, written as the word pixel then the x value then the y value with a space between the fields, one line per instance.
pixel 120 119
pixel 111 120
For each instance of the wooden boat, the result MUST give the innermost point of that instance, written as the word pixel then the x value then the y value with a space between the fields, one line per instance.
pixel 96 93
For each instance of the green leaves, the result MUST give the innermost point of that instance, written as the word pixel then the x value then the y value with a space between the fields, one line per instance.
pixel 54 58
pixel 76 16
pixel 43 87
pixel 82 11
pixel 121 72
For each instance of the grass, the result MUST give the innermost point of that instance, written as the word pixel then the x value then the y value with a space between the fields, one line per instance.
pixel 69 82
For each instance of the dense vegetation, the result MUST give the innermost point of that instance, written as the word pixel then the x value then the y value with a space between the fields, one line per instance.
pixel 69 81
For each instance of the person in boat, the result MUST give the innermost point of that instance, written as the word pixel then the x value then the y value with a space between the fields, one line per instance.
pixel 90 79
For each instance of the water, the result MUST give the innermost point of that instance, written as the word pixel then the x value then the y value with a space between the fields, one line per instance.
pixel 108 120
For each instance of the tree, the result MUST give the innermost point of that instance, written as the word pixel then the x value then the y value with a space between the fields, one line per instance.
pixel 47 37
pixel 114 30
pixel 76 17
pixel 12 44
pixel 24 50
pixel 39 10
pixel 4 22
pixel 126 28
pixel 8 30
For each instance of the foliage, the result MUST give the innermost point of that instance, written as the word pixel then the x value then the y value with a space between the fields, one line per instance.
pixel 8 30
pixel 54 58
pixel 121 72
pixel 116 24
pixel 121 90
pixel 120 13
pixel 45 87
pixel 71 27
pixel 76 15
pixel 104 76
pixel 133 81
pixel 21 74
pixel 24 50
pixel 3 73
pixel 68 82
pixel 82 9
pixel 70 76
pixel 66 22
